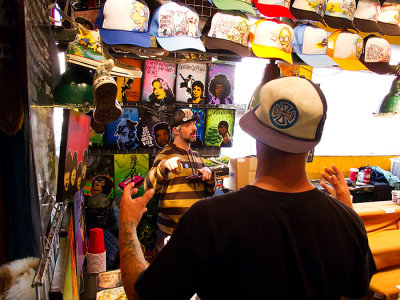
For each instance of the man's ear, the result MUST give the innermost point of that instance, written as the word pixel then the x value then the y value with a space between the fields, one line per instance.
pixel 175 131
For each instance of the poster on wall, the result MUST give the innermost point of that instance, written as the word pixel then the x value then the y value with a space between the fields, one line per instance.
pixel 155 131
pixel 123 133
pixel 129 88
pixel 220 84
pixel 199 142
pixel 219 127
pixel 126 166
pixel 73 154
pixel 190 82
pixel 158 82
pixel 100 176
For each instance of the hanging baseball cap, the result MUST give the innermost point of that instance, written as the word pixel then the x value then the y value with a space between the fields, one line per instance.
pixel 309 10
pixel 376 55
pixel 124 22
pixel 228 30
pixel 182 116
pixel 366 15
pixel 339 14
pixel 242 5
pixel 274 8
pixel 389 18
pixel 272 39
pixel 290 115
pixel 176 27
pixel 345 48
pixel 310 43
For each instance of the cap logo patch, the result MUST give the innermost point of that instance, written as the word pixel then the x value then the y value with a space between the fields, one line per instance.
pixel 140 16
pixel 179 22
pixel 283 114
pixel 188 114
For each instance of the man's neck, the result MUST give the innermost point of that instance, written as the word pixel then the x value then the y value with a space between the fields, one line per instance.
pixel 181 143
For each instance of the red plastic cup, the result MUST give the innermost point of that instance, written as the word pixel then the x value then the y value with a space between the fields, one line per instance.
pixel 96 241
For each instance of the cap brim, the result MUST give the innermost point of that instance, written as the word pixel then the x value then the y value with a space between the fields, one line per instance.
pixel 252 126
pixel 350 64
pixel 306 15
pixel 366 25
pixel 274 11
pixel 389 29
pixel 120 37
pixel 317 61
pixel 338 23
pixel 221 44
pixel 271 52
pixel 381 68
pixel 234 5
pixel 180 42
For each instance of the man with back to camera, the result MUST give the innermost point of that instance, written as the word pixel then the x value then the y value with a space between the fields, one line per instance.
pixel 168 175
pixel 278 238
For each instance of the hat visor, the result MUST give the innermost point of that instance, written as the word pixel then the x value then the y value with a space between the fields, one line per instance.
pixel 381 68
pixel 180 42
pixel 317 61
pixel 266 135
pixel 221 44
pixel 122 37
pixel 306 15
pixel 271 52
pixel 389 29
pixel 274 11
pixel 338 23
pixel 234 5
pixel 366 25
pixel 349 64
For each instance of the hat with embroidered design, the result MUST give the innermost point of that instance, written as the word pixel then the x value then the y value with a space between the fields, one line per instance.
pixel 290 115
pixel 272 39
pixel 229 31
pixel 176 27
pixel 345 48
pixel 309 10
pixel 389 17
pixel 274 8
pixel 182 116
pixel 366 15
pixel 310 43
pixel 242 5
pixel 376 55
pixel 124 22
pixel 339 14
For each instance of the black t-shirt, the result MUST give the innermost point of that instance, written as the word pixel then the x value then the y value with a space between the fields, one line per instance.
pixel 258 244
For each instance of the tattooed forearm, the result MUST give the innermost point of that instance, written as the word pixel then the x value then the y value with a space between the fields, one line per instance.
pixel 132 260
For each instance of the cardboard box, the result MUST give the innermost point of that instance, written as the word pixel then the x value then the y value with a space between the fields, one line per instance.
pixel 242 171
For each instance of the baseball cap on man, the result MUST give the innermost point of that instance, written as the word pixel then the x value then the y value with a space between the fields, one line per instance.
pixel 309 10
pixel 339 14
pixel 176 27
pixel 345 48
pixel 242 5
pixel 290 116
pixel 124 22
pixel 182 116
pixel 376 55
pixel 228 30
pixel 310 43
pixel 272 39
pixel 274 8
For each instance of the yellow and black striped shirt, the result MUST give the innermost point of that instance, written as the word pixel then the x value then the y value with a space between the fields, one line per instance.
pixel 175 193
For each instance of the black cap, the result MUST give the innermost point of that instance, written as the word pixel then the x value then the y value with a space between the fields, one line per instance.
pixel 182 116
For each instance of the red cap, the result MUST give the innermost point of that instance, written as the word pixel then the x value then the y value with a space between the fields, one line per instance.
pixel 269 8
pixel 96 241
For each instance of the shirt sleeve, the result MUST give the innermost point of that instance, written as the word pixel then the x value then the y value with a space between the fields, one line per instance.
pixel 178 268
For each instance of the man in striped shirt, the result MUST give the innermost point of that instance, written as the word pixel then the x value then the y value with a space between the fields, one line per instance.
pixel 170 171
